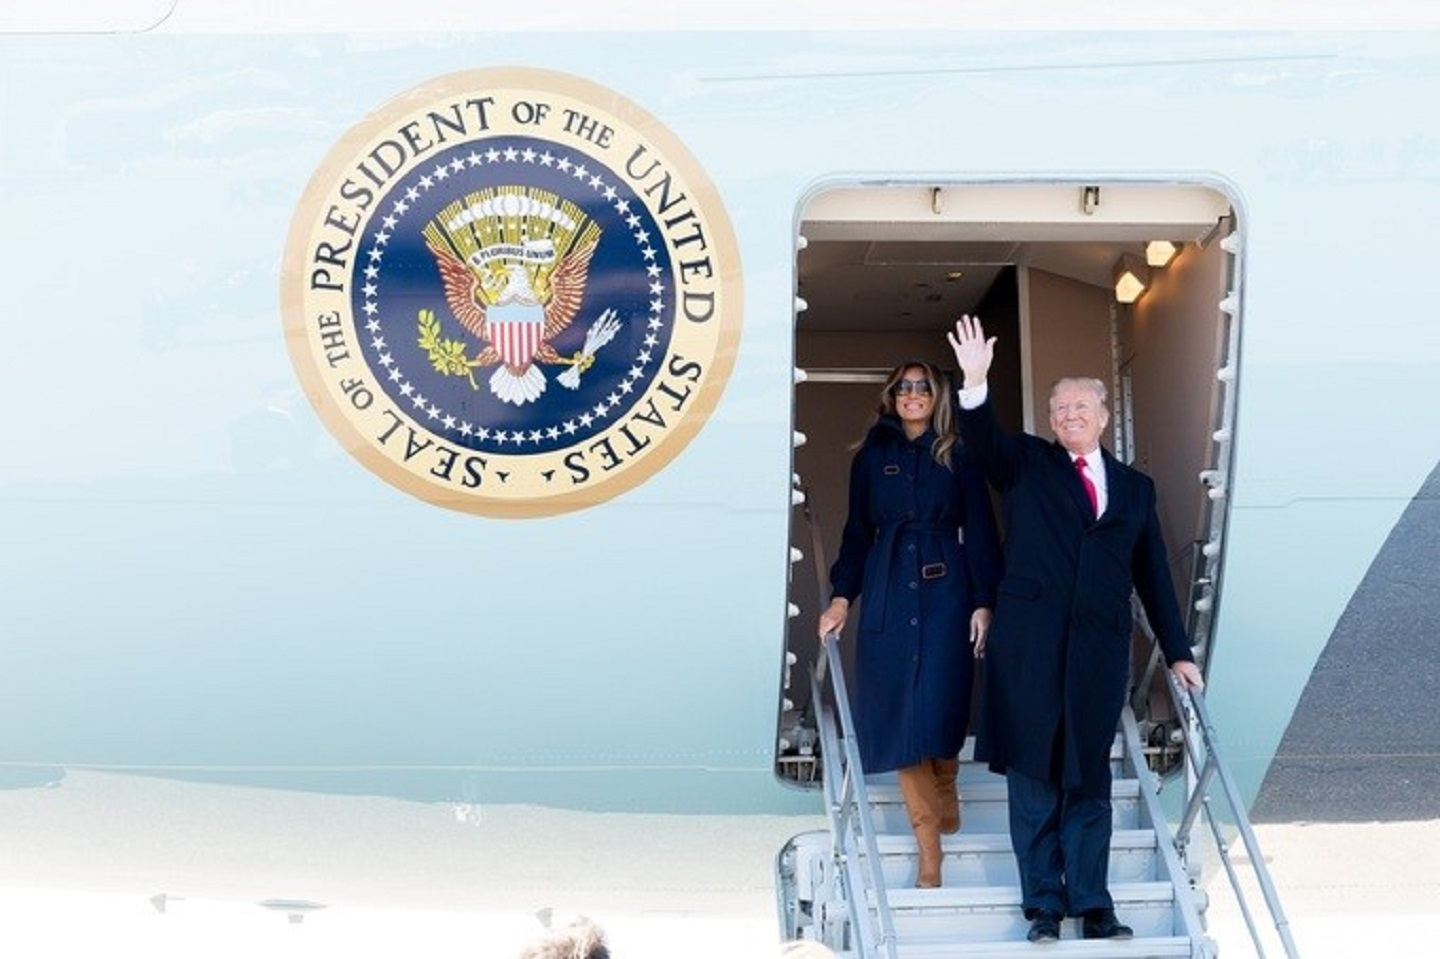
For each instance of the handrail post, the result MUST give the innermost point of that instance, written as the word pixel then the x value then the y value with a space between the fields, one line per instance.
pixel 1197 793
pixel 853 803
pixel 1189 705
pixel 1242 822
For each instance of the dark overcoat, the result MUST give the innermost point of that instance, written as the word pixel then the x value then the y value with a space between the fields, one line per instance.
pixel 920 552
pixel 1058 658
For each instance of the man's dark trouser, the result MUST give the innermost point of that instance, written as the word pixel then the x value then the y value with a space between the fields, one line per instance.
pixel 1062 846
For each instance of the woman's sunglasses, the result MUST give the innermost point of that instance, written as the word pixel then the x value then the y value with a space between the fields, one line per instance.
pixel 905 387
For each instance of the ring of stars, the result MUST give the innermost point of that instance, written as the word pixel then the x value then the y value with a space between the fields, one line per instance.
pixel 425 408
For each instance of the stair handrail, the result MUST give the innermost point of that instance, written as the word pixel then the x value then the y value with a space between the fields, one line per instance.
pixel 1204 764
pixel 1188 914
pixel 847 757
pixel 850 798
pixel 1207 767
pixel 847 802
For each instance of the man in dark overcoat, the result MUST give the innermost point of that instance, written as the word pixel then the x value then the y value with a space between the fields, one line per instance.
pixel 1082 533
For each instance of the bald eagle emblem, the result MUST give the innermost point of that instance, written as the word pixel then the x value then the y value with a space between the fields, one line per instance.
pixel 513 263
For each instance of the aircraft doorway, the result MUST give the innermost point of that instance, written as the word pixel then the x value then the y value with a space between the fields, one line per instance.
pixel 884 270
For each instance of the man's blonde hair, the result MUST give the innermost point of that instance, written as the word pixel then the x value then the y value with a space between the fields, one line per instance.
pixel 1088 382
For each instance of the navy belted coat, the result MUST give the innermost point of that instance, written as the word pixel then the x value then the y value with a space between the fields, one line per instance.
pixel 1058 658
pixel 920 552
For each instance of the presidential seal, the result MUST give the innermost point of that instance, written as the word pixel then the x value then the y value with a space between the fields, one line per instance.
pixel 511 292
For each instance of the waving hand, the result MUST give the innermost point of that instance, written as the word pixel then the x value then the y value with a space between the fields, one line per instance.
pixel 973 352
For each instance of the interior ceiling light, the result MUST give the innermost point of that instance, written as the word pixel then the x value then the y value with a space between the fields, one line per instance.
pixel 1131 278
pixel 1159 253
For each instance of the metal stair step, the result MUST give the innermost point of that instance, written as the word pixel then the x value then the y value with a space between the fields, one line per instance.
pixel 985 805
pixel 1147 947
pixel 992 913
pixel 980 842
pixel 1134 893
pixel 883 788
pixel 972 859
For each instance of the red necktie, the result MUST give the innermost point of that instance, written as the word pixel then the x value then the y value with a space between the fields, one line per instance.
pixel 1089 486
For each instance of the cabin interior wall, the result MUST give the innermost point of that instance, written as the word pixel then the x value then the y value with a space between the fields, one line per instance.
pixel 1069 328
pixel 1173 342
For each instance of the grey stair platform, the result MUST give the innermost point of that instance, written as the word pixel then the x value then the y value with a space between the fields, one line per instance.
pixel 828 884
pixel 979 859
pixel 985 807
pixel 1158 947
pixel 992 913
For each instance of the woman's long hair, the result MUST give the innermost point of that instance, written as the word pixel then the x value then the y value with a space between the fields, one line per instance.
pixel 942 419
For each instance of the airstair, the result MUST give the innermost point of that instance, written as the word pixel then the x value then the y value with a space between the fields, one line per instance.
pixel 852 887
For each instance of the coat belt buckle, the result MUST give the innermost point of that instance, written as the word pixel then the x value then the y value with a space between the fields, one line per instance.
pixel 932 571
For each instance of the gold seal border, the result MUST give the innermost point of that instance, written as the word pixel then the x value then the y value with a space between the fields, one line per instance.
pixel 643 127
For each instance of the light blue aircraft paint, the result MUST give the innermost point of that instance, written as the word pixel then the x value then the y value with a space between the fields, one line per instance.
pixel 203 580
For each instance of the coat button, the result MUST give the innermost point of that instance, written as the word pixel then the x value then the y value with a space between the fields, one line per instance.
pixel 914 622
pixel 912 584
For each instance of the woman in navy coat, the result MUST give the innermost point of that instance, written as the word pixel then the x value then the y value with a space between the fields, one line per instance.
pixel 920 544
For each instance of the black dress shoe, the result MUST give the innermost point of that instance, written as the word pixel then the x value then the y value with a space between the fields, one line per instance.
pixel 1102 924
pixel 1045 927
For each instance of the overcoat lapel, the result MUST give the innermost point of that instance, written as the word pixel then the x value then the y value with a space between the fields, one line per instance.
pixel 1069 478
pixel 1117 487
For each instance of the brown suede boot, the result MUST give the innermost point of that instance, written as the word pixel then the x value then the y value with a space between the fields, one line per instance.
pixel 917 785
pixel 946 771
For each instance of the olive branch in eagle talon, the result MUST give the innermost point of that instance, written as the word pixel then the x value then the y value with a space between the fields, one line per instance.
pixel 446 356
